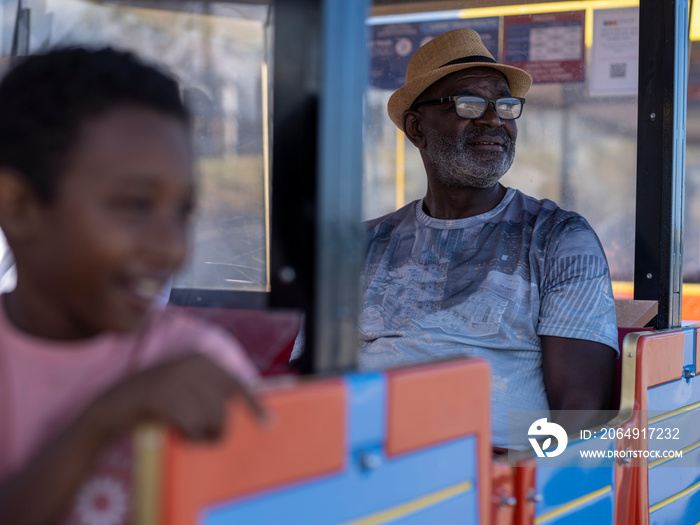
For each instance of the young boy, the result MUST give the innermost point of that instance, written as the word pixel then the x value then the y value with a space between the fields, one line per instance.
pixel 96 189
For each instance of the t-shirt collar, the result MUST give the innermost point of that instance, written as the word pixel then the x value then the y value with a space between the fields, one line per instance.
pixel 443 224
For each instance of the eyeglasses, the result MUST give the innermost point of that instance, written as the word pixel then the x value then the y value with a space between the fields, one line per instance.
pixel 507 108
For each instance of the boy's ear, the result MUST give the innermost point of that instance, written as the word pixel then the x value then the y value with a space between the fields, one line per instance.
pixel 413 128
pixel 20 209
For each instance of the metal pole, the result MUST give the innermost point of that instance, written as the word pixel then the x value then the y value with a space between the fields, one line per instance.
pixel 663 66
pixel 296 81
pixel 320 78
pixel 340 165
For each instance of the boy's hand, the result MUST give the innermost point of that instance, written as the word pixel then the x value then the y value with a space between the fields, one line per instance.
pixel 189 394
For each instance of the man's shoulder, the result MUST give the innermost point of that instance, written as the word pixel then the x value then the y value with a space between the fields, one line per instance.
pixel 537 206
pixel 556 230
pixel 544 213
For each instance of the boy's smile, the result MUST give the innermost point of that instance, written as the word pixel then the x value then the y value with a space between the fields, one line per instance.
pixel 115 230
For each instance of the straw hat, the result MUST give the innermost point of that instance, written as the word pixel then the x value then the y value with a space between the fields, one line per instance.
pixel 449 52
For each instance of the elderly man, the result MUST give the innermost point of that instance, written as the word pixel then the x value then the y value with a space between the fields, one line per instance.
pixel 475 268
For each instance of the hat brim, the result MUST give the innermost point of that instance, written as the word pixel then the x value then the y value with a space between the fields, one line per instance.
pixel 518 80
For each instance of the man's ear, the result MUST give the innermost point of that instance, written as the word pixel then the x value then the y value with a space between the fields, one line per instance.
pixel 413 128
pixel 20 209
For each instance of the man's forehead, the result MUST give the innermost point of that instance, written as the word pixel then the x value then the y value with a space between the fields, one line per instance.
pixel 471 77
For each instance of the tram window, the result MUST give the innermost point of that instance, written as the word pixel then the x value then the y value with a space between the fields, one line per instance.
pixel 219 51
pixel 577 136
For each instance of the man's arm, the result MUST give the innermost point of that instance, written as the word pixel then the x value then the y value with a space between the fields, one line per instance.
pixel 578 376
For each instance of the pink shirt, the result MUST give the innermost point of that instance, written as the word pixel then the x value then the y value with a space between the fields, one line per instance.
pixel 45 384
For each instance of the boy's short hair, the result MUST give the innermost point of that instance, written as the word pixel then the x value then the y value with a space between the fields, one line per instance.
pixel 46 97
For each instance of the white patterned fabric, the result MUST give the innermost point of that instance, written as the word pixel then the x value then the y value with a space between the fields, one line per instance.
pixel 486 286
pixel 8 274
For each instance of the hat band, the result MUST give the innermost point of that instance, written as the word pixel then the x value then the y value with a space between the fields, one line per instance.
pixel 466 60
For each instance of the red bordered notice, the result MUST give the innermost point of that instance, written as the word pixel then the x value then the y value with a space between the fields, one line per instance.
pixel 549 46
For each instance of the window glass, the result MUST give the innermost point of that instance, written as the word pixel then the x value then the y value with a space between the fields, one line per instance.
pixel 219 52
pixel 691 231
pixel 577 136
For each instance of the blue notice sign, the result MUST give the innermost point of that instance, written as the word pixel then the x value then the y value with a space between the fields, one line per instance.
pixel 393 45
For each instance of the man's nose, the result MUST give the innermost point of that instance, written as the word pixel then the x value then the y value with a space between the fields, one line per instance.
pixel 490 118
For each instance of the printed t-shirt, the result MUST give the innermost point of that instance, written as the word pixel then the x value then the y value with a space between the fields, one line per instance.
pixel 486 286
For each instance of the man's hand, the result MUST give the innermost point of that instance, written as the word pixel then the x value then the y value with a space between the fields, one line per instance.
pixel 189 394
pixel 578 376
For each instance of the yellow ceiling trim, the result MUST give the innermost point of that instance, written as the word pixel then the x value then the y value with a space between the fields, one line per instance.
pixel 554 7
pixel 695 21
pixel 528 9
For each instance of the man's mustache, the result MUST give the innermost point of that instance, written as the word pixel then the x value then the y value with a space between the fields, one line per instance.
pixel 469 136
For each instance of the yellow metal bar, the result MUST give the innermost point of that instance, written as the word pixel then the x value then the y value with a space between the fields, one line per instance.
pixel 626 288
pixel 578 502
pixel 400 169
pixel 414 506
pixel 691 288
pixel 623 288
pixel 266 166
pixel 685 450
pixel 676 497
pixel 147 468
pixel 673 413
pixel 629 376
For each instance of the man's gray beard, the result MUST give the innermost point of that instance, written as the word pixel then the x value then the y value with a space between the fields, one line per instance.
pixel 455 165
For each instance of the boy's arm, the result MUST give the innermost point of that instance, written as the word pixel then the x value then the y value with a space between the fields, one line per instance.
pixel 189 394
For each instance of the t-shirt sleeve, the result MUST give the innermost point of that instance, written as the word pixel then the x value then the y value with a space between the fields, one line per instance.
pixel 299 342
pixel 576 293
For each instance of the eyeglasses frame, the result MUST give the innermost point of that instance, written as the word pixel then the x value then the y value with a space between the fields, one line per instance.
pixel 491 101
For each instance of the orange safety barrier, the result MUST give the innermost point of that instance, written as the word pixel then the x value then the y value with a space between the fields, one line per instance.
pixel 305 437
pixel 649 360
pixel 436 402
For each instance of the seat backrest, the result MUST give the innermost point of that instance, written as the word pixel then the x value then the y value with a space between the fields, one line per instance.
pixel 340 450
pixel 669 404
pixel 267 335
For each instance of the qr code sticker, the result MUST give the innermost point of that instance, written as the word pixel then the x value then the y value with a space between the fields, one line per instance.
pixel 618 70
